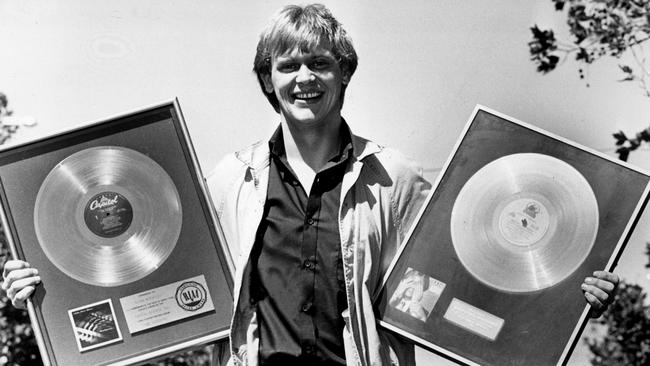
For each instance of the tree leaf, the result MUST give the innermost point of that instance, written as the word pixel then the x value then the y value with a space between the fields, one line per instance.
pixel 620 137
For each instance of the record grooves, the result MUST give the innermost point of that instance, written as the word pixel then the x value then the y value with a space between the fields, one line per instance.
pixel 524 222
pixel 107 216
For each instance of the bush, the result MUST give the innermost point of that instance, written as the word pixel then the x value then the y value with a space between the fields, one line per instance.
pixel 627 325
pixel 18 346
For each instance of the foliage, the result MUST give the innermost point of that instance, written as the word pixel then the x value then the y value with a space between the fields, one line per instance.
pixel 6 130
pixel 626 145
pixel 608 29
pixel 600 28
pixel 627 340
pixel 543 49
pixel 17 343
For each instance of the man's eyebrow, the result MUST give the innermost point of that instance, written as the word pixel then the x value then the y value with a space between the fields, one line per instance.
pixel 282 61
pixel 284 58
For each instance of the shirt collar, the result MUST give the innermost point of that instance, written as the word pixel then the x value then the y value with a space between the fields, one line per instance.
pixel 256 156
pixel 276 144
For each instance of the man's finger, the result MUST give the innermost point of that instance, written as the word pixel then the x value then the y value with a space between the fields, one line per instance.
pixel 17 286
pixel 596 305
pixel 17 275
pixel 19 301
pixel 13 265
pixel 607 276
pixel 596 292
pixel 604 285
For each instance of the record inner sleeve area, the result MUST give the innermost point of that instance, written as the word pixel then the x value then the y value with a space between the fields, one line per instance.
pixel 483 316
pixel 158 134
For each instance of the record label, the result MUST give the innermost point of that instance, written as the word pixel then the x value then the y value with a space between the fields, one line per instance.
pixel 108 214
pixel 524 221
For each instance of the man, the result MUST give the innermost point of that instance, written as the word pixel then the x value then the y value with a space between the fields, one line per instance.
pixel 314 215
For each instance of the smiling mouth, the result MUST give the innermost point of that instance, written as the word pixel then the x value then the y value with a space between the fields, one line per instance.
pixel 307 96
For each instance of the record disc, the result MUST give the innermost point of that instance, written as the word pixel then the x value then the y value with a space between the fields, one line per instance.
pixel 107 216
pixel 524 222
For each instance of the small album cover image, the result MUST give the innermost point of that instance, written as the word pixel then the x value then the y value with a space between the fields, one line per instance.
pixel 416 294
pixel 94 325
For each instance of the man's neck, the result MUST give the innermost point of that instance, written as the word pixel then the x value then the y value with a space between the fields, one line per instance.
pixel 308 148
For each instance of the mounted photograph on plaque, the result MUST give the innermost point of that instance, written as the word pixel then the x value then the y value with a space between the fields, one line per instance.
pixel 490 273
pixel 117 219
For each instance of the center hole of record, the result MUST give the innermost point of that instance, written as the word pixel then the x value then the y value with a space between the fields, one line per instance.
pixel 108 214
pixel 524 221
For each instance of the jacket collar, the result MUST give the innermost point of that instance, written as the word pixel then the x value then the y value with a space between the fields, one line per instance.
pixel 363 148
pixel 255 156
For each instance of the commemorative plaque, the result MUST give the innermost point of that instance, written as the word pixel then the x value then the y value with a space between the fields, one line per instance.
pixel 490 273
pixel 117 220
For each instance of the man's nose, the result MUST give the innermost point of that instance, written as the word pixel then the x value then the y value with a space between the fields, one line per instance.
pixel 305 75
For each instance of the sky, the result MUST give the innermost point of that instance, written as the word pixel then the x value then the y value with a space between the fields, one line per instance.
pixel 423 66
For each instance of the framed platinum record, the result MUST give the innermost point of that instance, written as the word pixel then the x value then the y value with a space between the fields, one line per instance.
pixel 117 219
pixel 490 273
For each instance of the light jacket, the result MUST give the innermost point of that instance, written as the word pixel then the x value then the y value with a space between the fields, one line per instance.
pixel 381 193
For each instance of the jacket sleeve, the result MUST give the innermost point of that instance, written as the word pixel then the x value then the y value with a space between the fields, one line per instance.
pixel 221 354
pixel 221 182
pixel 408 194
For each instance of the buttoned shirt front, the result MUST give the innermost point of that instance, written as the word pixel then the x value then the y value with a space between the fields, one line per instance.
pixel 297 271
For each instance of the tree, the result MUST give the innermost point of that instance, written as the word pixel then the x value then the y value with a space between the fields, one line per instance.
pixel 627 321
pixel 601 28
pixel 17 343
pixel 608 28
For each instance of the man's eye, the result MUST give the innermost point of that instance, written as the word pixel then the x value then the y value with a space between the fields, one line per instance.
pixel 320 64
pixel 288 67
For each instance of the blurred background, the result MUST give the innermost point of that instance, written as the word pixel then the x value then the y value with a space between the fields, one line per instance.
pixel 423 66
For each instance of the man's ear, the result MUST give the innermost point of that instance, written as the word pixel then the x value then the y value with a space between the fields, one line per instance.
pixel 346 77
pixel 268 85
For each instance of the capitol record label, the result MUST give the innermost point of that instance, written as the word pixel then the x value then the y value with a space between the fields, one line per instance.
pixel 166 304
pixel 524 221
pixel 474 319
pixel 108 214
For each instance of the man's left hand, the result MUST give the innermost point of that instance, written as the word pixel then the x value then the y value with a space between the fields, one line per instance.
pixel 600 291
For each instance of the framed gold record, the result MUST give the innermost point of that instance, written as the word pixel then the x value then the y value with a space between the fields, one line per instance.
pixel 490 272
pixel 116 217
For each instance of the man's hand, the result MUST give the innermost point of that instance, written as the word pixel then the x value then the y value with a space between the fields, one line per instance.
pixel 600 291
pixel 19 281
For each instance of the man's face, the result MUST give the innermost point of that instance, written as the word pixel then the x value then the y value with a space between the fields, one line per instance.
pixel 307 85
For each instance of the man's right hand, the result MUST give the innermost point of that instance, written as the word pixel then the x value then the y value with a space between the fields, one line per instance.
pixel 19 280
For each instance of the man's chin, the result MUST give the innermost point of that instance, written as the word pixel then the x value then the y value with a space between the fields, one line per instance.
pixel 303 118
